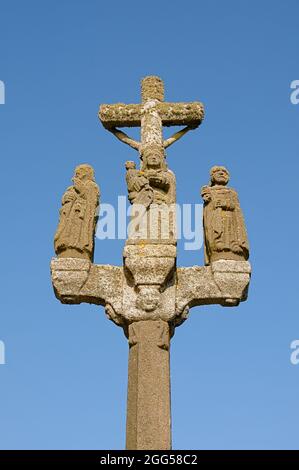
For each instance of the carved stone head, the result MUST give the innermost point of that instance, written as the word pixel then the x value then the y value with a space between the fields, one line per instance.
pixel 130 165
pixel 148 298
pixel 84 172
pixel 219 175
pixel 153 158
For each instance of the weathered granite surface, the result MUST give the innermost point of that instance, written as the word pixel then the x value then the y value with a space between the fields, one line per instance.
pixel 149 287
pixel 74 237
pixel 148 405
pixel 149 296
pixel 224 226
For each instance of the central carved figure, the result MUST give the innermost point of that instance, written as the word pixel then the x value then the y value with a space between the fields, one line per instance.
pixel 153 183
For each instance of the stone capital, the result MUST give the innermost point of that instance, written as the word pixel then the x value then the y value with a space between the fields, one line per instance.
pixel 149 287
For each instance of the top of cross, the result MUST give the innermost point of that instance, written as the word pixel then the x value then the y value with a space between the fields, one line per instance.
pixel 152 88
pixel 151 115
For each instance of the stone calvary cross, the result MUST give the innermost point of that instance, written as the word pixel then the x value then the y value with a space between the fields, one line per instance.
pixel 149 296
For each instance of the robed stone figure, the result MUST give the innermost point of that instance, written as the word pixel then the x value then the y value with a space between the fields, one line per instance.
pixel 154 183
pixel 225 234
pixel 74 237
pixel 151 191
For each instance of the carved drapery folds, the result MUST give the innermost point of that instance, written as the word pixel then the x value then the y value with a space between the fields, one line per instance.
pixel 153 183
pixel 224 228
pixel 74 237
pixel 152 193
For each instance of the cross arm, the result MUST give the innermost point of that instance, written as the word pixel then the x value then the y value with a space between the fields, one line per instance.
pixel 225 282
pixel 120 115
pixel 172 114
pixel 181 114
pixel 77 280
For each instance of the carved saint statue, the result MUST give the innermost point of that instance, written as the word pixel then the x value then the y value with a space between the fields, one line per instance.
pixel 74 237
pixel 224 228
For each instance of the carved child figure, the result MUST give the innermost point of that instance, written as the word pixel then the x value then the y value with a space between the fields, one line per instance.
pixel 139 190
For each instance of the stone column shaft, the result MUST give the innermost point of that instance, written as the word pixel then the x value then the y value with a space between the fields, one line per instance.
pixel 148 408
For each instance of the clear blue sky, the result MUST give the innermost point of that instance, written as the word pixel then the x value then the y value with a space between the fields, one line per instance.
pixel 64 384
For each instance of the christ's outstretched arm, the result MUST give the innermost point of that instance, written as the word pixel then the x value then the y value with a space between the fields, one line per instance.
pixel 125 138
pixel 177 136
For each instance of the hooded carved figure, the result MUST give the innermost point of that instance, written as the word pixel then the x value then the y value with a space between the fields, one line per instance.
pixel 74 237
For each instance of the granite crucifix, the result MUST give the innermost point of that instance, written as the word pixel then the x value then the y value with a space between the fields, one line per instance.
pixel 149 296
